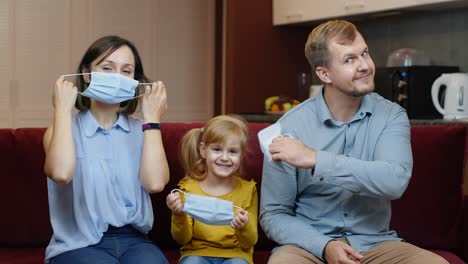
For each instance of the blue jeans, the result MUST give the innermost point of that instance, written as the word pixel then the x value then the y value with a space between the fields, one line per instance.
pixel 211 260
pixel 118 245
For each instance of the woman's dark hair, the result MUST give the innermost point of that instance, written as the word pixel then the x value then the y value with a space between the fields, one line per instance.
pixel 107 45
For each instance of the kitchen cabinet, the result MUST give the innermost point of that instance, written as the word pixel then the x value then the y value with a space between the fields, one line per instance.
pixel 302 11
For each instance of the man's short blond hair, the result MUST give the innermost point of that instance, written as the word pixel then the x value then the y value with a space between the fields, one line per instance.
pixel 316 48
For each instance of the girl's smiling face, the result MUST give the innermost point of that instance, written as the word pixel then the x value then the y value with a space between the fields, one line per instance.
pixel 222 159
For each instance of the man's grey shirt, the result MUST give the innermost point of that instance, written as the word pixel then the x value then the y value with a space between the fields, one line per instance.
pixel 361 166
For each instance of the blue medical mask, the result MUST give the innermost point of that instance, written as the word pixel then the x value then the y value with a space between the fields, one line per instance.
pixel 207 209
pixel 110 88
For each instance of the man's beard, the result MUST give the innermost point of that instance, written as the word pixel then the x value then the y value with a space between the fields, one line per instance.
pixel 363 92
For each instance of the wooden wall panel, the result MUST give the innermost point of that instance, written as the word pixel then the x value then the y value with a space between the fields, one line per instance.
pixel 5 61
pixel 42 39
pixel 261 60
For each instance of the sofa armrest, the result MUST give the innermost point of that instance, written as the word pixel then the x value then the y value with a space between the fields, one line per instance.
pixel 464 253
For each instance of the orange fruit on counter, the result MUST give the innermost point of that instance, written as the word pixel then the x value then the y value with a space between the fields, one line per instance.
pixel 275 108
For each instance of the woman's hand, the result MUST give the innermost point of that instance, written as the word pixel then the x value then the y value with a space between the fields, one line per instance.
pixel 240 219
pixel 174 202
pixel 64 95
pixel 154 102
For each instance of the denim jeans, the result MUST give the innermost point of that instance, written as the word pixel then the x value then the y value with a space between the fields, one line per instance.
pixel 118 245
pixel 211 260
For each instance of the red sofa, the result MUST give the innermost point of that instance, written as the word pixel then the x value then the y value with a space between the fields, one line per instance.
pixel 431 214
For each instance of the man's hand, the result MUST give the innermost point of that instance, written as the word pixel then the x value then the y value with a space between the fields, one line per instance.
pixel 337 252
pixel 293 152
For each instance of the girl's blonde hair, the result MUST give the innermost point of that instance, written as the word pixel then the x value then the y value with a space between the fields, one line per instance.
pixel 216 130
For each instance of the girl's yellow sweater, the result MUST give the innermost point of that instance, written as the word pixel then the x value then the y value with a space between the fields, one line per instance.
pixel 199 239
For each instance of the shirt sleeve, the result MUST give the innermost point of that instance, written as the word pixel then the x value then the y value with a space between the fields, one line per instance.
pixel 277 210
pixel 386 176
pixel 181 228
pixel 182 224
pixel 248 236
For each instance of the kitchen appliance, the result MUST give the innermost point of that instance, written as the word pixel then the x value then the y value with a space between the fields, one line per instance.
pixel 407 57
pixel 411 88
pixel 455 99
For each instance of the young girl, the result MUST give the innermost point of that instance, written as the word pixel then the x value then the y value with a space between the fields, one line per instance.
pixel 101 165
pixel 214 214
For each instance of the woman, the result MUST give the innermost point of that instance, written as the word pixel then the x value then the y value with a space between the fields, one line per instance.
pixel 102 163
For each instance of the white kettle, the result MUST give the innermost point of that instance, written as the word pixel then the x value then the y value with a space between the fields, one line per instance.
pixel 456 95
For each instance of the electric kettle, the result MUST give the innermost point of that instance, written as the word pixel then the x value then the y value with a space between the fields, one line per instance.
pixel 456 95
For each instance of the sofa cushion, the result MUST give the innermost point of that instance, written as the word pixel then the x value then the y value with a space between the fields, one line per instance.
pixel 429 212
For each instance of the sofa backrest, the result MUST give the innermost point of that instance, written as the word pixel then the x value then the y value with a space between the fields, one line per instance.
pixel 23 193
pixel 428 214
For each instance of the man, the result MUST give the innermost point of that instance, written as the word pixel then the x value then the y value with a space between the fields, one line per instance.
pixel 327 188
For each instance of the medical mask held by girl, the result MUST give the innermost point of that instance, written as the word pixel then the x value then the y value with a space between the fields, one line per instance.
pixel 214 210
pixel 207 209
pixel 110 88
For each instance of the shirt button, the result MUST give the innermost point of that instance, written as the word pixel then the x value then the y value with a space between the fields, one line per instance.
pixel 349 125
pixel 345 215
pixel 362 114
pixel 321 179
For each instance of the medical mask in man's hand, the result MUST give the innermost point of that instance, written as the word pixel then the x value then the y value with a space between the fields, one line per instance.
pixel 266 136
pixel 110 88
pixel 208 210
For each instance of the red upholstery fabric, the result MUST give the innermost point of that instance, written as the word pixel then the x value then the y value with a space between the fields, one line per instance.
pixel 429 214
pixel 436 183
pixel 29 168
pixel 464 250
pixel 9 199
pixel 449 256
pixel 22 255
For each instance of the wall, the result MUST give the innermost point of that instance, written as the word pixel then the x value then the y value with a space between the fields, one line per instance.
pixel 442 36
pixel 42 39
pixel 260 60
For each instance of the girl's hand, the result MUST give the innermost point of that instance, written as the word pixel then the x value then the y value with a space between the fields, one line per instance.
pixel 174 202
pixel 64 95
pixel 240 219
pixel 154 103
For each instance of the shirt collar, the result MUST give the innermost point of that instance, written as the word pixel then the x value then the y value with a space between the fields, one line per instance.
pixel 322 109
pixel 325 116
pixel 91 126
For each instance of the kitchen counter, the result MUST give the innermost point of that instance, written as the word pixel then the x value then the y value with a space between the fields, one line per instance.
pixel 440 122
pixel 272 118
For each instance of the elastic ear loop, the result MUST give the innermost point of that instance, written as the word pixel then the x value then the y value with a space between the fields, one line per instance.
pixel 87 73
pixel 179 190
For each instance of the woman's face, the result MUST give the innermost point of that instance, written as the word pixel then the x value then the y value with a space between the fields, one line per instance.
pixel 120 61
